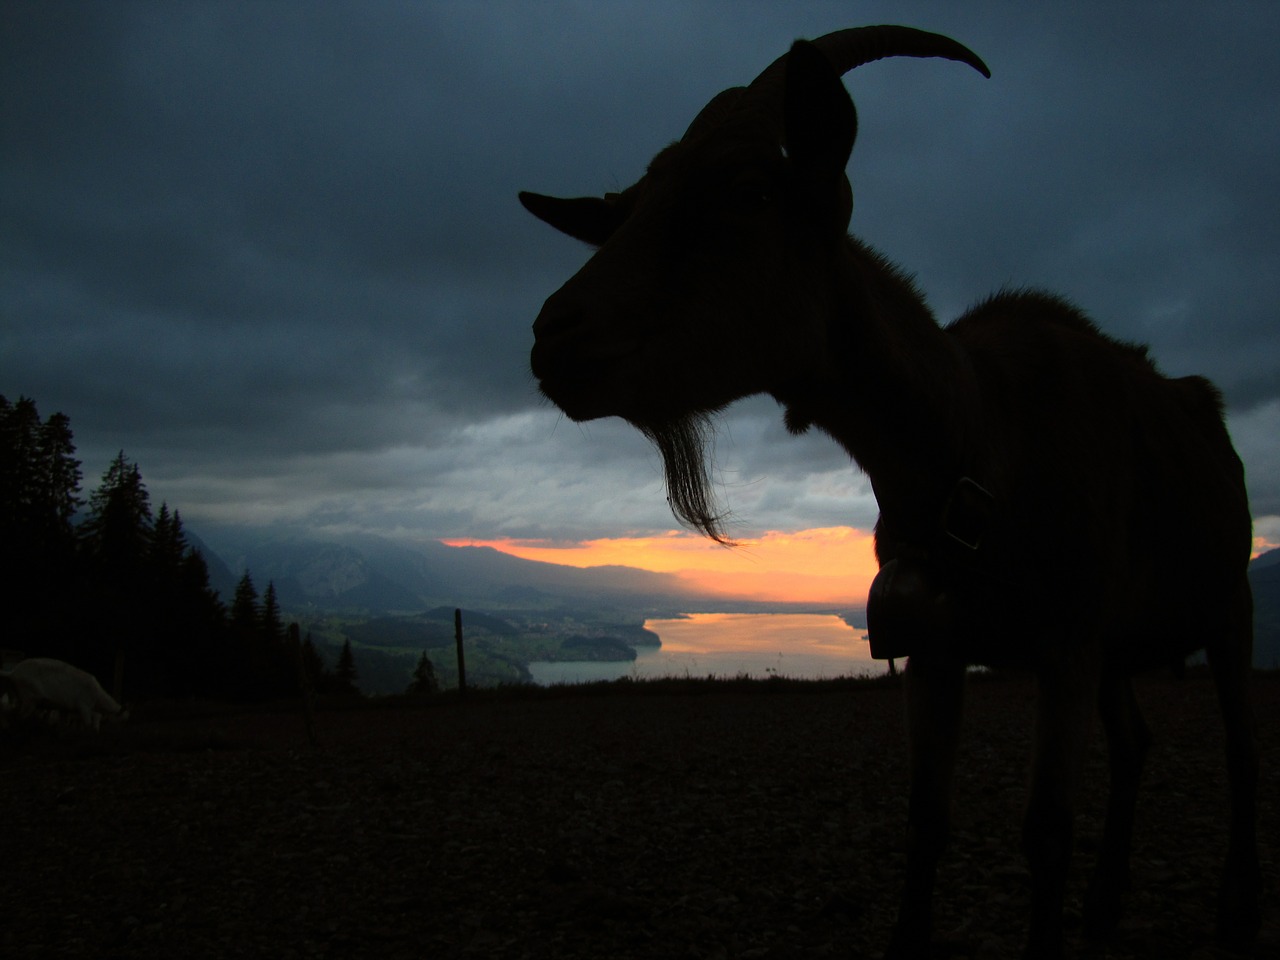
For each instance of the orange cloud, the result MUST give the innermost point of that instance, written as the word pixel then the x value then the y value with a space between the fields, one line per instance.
pixel 829 565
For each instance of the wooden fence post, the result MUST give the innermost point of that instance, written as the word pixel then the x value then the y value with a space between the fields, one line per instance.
pixel 462 662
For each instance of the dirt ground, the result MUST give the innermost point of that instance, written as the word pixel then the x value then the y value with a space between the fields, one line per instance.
pixel 672 821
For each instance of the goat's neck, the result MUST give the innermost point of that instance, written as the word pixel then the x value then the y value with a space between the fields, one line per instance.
pixel 891 389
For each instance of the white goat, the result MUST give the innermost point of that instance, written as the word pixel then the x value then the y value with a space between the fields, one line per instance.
pixel 40 681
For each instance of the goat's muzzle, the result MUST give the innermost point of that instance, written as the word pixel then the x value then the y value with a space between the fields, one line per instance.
pixel 577 361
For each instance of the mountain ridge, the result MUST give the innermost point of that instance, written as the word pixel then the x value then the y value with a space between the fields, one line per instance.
pixel 368 574
pixel 380 575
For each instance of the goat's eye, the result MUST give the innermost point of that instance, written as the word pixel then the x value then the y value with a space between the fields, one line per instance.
pixel 748 196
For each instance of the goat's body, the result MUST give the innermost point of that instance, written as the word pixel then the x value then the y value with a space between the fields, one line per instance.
pixel 1117 539
pixel 45 683
pixel 1048 499
pixel 1076 437
pixel 1118 502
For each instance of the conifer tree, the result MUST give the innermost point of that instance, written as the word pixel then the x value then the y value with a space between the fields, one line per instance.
pixel 245 666
pixel 344 672
pixel 280 674
pixel 116 539
pixel 186 617
pixel 118 530
pixel 272 626
pixel 40 598
pixel 122 589
pixel 244 606
pixel 313 664
pixel 39 475
pixel 199 634
pixel 20 468
pixel 61 474
pixel 203 606
pixel 168 544
pixel 424 678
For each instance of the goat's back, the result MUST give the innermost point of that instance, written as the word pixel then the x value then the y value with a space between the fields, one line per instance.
pixel 1117 488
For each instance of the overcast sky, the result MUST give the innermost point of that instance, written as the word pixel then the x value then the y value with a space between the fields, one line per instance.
pixel 273 250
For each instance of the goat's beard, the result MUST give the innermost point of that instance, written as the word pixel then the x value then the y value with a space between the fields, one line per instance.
pixel 683 445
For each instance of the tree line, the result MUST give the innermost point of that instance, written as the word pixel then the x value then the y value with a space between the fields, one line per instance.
pixel 114 588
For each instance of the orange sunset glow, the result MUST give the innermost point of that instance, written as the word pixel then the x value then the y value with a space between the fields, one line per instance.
pixel 830 565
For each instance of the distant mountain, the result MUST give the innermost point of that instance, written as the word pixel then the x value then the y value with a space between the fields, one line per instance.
pixel 1265 561
pixel 1264 577
pixel 375 575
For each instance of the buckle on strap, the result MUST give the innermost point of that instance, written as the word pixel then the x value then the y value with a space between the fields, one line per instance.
pixel 967 513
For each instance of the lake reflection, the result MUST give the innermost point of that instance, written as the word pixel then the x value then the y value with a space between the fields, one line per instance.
pixel 800 646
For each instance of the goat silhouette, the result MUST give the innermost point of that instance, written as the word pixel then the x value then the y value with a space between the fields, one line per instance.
pixel 1048 499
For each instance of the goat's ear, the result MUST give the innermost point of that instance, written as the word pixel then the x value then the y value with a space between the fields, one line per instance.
pixel 820 120
pixel 589 219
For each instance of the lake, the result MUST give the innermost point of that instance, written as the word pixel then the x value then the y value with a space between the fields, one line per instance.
pixel 800 646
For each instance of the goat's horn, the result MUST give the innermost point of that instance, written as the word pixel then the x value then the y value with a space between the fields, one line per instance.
pixel 845 49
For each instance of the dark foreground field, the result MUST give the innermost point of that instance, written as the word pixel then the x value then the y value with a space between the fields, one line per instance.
pixel 687 820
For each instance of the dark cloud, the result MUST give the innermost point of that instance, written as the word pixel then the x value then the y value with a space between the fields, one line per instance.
pixel 273 250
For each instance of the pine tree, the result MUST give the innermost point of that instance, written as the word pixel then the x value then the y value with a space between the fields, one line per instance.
pixel 272 626
pixel 168 544
pixel 116 541
pixel 280 674
pixel 186 617
pixel 244 607
pixel 244 666
pixel 313 664
pixel 203 602
pixel 118 530
pixel 198 636
pixel 40 592
pixel 344 672
pixel 61 474
pixel 20 468
pixel 122 589
pixel 424 678
pixel 39 476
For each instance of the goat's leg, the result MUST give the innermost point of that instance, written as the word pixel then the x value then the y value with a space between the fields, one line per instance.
pixel 1064 709
pixel 935 697
pixel 1128 740
pixel 1230 659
